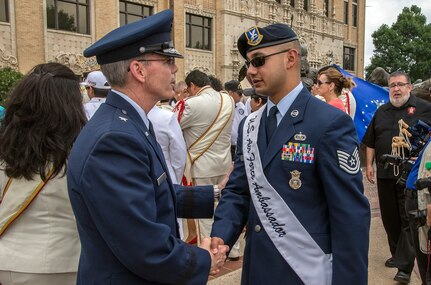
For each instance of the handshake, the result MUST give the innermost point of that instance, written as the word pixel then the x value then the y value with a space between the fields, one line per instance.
pixel 217 250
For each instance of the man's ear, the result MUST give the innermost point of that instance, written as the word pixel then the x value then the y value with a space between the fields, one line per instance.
pixel 138 70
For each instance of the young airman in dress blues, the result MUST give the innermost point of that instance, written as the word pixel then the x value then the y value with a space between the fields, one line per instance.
pixel 296 182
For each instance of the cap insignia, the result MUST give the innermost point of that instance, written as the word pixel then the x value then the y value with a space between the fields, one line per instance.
pixel 254 37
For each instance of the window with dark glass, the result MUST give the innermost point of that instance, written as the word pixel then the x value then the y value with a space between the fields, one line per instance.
pixel 346 12
pixel 327 8
pixel 132 12
pixel 68 15
pixel 306 5
pixel 292 3
pixel 349 58
pixel 355 13
pixel 4 11
pixel 198 32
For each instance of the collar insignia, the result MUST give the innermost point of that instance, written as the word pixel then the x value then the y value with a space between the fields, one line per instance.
pixel 123 119
pixel 294 113
pixel 254 37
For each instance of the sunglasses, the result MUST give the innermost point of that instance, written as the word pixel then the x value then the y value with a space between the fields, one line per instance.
pixel 258 61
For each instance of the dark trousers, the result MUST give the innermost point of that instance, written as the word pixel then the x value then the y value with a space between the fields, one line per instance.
pixel 421 258
pixel 233 151
pixel 396 223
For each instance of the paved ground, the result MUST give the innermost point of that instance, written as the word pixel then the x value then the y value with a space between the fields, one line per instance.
pixel 378 274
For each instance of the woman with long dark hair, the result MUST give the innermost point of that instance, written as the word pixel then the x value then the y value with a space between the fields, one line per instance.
pixel 39 242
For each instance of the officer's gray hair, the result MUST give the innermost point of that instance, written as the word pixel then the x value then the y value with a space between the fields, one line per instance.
pixel 116 72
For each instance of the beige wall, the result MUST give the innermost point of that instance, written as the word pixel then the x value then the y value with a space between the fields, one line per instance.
pixel 27 38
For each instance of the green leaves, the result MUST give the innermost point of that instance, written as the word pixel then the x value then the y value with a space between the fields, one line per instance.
pixel 8 79
pixel 406 45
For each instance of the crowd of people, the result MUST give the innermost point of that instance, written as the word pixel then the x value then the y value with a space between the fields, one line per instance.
pixel 98 193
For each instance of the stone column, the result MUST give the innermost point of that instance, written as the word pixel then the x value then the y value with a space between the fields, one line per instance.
pixel 179 35
pixel 30 37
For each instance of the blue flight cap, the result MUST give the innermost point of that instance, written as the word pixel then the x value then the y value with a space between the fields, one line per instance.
pixel 152 34
pixel 256 38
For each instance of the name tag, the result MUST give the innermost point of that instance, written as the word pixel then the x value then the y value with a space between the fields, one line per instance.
pixel 161 179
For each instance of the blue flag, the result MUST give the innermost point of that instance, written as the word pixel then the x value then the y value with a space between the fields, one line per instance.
pixel 367 98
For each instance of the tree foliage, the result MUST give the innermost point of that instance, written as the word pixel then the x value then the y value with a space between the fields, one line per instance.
pixel 8 79
pixel 406 45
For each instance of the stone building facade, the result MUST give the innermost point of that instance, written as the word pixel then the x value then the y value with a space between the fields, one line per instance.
pixel 205 31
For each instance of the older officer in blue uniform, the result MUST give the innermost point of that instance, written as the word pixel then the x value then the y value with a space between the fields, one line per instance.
pixel 125 204
pixel 296 182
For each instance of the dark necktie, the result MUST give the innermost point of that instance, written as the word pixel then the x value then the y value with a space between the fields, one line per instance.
pixel 271 123
pixel 151 129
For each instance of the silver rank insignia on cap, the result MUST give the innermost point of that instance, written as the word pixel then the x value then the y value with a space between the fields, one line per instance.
pixel 295 182
pixel 300 137
pixel 254 37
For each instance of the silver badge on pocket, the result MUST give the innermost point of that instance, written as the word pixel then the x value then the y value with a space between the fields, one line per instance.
pixel 295 182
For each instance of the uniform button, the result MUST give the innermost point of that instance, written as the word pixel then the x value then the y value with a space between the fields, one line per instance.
pixel 257 228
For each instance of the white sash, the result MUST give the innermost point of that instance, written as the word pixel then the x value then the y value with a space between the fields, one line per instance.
pixel 291 239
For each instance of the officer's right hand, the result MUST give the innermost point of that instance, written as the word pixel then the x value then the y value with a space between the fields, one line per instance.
pixel 369 173
pixel 218 256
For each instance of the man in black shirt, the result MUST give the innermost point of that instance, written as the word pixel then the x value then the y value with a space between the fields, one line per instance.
pixel 378 139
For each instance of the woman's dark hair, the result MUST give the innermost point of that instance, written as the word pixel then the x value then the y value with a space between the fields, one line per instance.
pixel 44 115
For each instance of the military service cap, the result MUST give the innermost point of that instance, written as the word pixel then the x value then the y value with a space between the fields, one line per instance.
pixel 256 38
pixel 152 34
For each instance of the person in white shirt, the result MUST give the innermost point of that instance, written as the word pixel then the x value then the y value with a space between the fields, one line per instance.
pixel 170 138
pixel 234 89
pixel 97 90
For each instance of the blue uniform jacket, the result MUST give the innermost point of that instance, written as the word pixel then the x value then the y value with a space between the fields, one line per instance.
pixel 330 204
pixel 414 172
pixel 126 206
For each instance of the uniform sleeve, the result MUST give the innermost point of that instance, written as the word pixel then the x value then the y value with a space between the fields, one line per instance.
pixel 195 202
pixel 413 175
pixel 232 211
pixel 349 209
pixel 120 196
